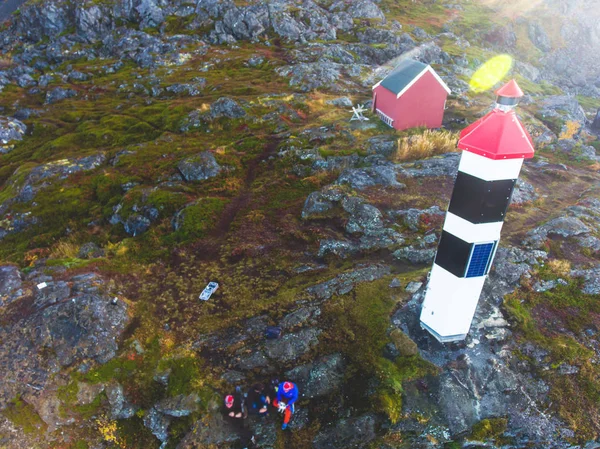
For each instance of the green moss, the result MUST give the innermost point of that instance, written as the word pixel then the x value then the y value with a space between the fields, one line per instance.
pixel 429 16
pixel 403 343
pixel 135 434
pixel 166 202
pixel 453 445
pixel 179 25
pixel 589 103
pixel 178 429
pixel 119 369
pixel 183 372
pixel 81 444
pixel 359 322
pixel 69 263
pixel 68 393
pixel 555 124
pixel 542 88
pixel 575 397
pixel 199 218
pixel 134 371
pixel 289 192
pixel 488 429
pixel 87 411
pixel 23 415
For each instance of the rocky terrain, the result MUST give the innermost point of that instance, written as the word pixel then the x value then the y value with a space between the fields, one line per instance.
pixel 148 147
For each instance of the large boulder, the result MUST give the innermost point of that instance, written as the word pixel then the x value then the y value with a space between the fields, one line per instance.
pixel 523 193
pixel 365 9
pixel 10 283
pixel 364 218
pixel 313 75
pixel 415 218
pixel 563 106
pixel 59 94
pixel 177 406
pixel 150 13
pixel 445 165
pixel 345 282
pixel 37 20
pixel 596 123
pixel 347 433
pixel 292 346
pixel 288 27
pixel 226 107
pixel 39 175
pixel 538 36
pixel 52 293
pixel 362 178
pixel 137 224
pixel 561 226
pixel 384 145
pixel 200 167
pixel 16 222
pixel 120 408
pixel 415 255
pixel 319 378
pixel 93 21
pixel 591 278
pixel 211 430
pixel 11 131
pixel 37 342
pixel 158 424
pixel 242 23
pixel 316 204
pixel 501 36
pixel 257 359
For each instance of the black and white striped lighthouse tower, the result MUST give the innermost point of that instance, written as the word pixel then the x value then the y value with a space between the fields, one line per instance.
pixel 494 148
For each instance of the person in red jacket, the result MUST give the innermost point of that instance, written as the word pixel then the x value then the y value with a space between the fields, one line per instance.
pixel 287 395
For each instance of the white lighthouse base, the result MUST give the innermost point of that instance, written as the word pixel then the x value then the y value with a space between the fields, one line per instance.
pixel 450 304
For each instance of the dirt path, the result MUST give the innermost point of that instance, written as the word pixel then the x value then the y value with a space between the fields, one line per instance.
pixel 208 248
pixel 243 198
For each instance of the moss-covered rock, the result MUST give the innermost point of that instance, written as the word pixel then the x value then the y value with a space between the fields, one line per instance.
pixel 405 346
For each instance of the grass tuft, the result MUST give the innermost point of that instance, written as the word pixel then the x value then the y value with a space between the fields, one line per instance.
pixel 427 144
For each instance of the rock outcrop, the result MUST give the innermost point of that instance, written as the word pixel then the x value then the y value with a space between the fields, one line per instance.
pixel 11 132
pixel 65 325
pixel 200 167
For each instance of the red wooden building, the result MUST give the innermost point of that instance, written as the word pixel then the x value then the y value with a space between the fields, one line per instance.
pixel 411 95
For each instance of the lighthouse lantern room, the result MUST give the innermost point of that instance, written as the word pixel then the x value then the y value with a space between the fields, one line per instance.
pixel 494 148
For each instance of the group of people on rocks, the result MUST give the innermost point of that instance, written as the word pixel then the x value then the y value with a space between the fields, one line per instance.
pixel 258 401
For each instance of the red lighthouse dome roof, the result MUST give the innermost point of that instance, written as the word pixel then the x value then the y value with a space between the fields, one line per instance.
pixel 497 135
pixel 510 89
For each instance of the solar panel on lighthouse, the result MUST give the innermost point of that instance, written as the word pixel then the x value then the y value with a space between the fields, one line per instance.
pixel 480 258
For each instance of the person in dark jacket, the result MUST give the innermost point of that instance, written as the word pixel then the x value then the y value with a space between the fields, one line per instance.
pixel 287 395
pixel 258 400
pixel 236 413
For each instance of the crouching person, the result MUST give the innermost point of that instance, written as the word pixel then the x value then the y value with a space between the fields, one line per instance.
pixel 287 395
pixel 235 413
pixel 258 400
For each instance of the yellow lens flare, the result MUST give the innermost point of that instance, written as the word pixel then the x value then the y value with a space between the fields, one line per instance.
pixel 490 73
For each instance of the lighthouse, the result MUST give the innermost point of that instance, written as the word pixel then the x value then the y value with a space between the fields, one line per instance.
pixel 494 148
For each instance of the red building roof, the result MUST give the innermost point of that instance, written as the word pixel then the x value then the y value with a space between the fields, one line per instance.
pixel 498 135
pixel 511 90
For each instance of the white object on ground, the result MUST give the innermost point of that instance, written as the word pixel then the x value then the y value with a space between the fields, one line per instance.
pixel 358 113
pixel 208 291
pixel 42 285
